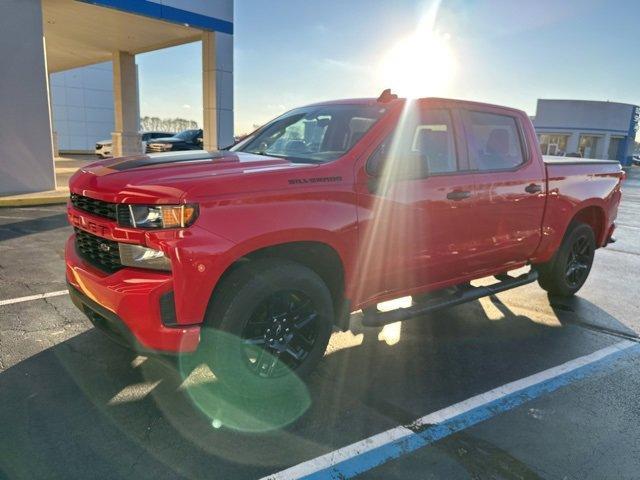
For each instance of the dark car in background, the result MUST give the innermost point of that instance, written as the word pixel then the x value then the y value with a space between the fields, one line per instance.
pixel 104 147
pixel 185 140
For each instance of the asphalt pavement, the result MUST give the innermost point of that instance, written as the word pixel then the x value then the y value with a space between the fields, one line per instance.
pixel 75 405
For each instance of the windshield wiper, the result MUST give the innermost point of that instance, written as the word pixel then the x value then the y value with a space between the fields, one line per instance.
pixel 286 157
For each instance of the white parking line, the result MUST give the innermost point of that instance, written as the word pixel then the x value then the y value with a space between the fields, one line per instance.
pixel 374 451
pixel 39 296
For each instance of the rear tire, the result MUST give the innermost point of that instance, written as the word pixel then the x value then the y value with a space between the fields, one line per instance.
pixel 568 270
pixel 269 322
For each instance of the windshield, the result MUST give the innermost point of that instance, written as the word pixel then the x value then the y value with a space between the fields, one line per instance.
pixel 315 134
pixel 186 135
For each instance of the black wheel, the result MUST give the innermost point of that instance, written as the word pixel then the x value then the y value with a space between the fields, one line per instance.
pixel 565 274
pixel 270 321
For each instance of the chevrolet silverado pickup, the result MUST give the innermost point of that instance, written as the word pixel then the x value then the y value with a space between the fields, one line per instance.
pixel 328 209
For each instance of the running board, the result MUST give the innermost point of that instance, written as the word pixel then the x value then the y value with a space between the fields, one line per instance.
pixel 375 318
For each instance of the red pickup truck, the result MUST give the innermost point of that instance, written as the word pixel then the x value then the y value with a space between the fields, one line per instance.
pixel 328 209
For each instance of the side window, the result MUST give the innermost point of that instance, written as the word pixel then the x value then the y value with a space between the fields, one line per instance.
pixel 494 141
pixel 433 141
pixel 425 145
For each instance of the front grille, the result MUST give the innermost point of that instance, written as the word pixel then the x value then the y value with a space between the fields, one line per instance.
pixel 99 252
pixel 124 216
pixel 93 206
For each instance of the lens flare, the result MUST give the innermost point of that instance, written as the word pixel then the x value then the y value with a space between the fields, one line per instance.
pixel 421 64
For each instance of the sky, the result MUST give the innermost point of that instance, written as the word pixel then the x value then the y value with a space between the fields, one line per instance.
pixel 290 53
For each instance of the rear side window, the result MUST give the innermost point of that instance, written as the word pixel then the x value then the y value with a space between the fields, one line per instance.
pixel 494 141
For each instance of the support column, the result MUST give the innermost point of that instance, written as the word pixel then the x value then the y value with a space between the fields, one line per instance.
pixel 217 89
pixel 126 137
pixel 603 151
pixel 26 158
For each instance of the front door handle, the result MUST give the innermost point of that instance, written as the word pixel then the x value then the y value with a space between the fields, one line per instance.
pixel 533 188
pixel 458 195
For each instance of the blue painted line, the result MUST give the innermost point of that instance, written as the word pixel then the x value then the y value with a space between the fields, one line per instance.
pixel 374 458
pixel 151 9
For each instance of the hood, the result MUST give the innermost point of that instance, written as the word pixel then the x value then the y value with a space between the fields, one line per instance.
pixel 168 177
pixel 104 142
pixel 166 140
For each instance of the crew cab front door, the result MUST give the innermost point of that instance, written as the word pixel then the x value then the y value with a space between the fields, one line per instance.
pixel 510 185
pixel 414 207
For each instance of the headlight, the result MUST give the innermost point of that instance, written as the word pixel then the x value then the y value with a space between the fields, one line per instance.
pixel 164 147
pixel 159 216
pixel 142 257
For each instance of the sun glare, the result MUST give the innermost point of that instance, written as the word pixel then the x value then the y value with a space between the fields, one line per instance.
pixel 421 64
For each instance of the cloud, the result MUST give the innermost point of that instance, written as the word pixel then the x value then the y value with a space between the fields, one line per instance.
pixel 186 106
pixel 332 63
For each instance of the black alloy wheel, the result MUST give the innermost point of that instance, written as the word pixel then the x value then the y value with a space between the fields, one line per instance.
pixel 280 334
pixel 579 261
pixel 568 270
pixel 268 327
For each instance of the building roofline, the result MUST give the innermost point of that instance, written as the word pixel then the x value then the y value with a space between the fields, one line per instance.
pixel 586 101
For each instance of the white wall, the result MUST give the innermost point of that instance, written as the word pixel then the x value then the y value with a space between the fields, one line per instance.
pixel 26 157
pixel 579 114
pixel 82 107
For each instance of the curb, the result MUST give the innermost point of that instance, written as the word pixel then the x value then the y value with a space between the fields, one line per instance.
pixel 33 201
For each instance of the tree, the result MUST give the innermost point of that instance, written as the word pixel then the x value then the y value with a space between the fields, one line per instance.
pixel 172 125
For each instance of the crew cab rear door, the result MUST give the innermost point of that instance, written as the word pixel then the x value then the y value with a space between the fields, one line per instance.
pixel 510 187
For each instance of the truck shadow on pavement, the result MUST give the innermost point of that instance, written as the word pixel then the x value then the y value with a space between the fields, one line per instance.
pixel 88 408
pixel 9 231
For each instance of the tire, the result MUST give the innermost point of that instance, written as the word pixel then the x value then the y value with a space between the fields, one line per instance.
pixel 274 293
pixel 568 270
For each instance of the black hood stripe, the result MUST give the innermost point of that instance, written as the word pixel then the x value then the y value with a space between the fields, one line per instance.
pixel 160 159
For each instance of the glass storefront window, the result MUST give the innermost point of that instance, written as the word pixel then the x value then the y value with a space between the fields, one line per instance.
pixel 588 146
pixel 614 147
pixel 553 144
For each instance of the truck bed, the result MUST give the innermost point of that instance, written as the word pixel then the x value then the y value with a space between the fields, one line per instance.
pixel 554 160
pixel 574 184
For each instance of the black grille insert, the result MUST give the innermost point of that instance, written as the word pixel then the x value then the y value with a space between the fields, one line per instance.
pixel 93 206
pixel 99 252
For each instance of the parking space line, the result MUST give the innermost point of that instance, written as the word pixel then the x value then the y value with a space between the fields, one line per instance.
pixel 38 296
pixel 374 451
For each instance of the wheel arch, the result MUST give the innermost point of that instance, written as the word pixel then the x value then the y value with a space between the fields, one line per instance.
pixel 321 257
pixel 557 223
pixel 593 215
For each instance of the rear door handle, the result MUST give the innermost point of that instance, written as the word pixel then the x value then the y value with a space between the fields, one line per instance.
pixel 533 188
pixel 458 195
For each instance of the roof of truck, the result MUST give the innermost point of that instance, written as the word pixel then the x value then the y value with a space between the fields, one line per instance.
pixel 373 101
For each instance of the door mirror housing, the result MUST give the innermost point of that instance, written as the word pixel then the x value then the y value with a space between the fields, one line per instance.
pixel 379 158
pixel 396 168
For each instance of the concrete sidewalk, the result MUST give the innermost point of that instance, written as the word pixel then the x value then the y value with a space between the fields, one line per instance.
pixel 65 168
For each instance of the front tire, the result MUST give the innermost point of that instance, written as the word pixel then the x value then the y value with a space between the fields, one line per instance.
pixel 568 270
pixel 269 322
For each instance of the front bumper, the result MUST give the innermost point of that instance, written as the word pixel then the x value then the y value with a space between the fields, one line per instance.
pixel 127 305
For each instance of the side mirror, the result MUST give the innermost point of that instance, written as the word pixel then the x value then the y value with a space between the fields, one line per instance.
pixel 199 140
pixel 377 161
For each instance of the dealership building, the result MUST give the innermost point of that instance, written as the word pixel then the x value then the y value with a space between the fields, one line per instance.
pixel 588 128
pixel 41 38
pixel 82 107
